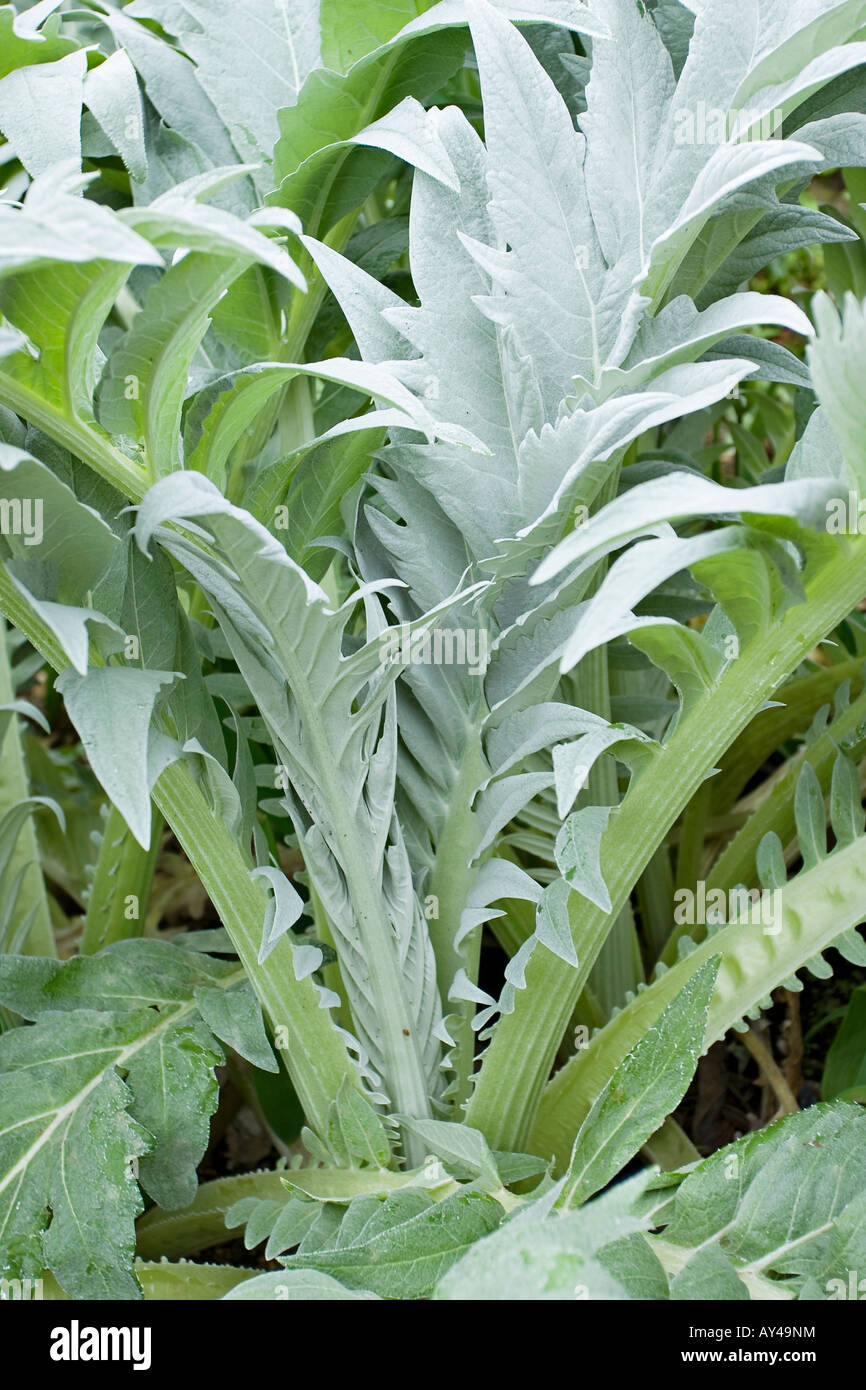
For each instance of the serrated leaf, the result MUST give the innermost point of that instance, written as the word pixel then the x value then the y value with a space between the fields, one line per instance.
pixel 784 1205
pixel 63 1120
pixel 111 93
pixel 642 1092
pixel 543 1258
pixel 130 1009
pixel 403 1251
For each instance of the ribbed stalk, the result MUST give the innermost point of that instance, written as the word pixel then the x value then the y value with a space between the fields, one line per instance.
pixel 518 1062
pixel 13 790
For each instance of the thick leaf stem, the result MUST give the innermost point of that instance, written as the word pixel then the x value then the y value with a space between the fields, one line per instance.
pixel 13 790
pixel 516 1067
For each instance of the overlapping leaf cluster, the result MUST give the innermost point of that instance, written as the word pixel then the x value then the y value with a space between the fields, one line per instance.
pixel 335 336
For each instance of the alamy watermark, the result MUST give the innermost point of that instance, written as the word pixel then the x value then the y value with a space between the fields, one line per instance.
pixel 853 1288
pixel 22 516
pixel 846 516
pixel 444 646
pixel 713 125
pixel 77 1343
pixel 21 1290
pixel 750 906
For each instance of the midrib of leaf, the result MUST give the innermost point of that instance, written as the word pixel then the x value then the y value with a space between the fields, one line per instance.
pixel 518 1062
pixel 80 439
pixel 296 76
pixel 676 1257
pixel 756 1266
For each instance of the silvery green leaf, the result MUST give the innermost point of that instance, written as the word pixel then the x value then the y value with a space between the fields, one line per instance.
pixel 573 762
pixel 773 362
pixel 40 112
pixel 284 908
pixel 501 801
pixel 679 332
pixel 250 59
pixel 79 1165
pixel 577 853
pixel 729 168
pixel 630 89
pixel 674 498
pixel 783 228
pixel 111 93
pixel 782 1206
pixel 129 1009
pixel 362 299
pixel 235 1017
pixel 464 1151
pixel 642 1091
pixel 840 343
pixel 541 1255
pixel 562 12
pixel 171 83
pixel 340 763
pixel 709 1274
pixel 517 736
pixel 407 1244
pixel 411 133
pixel 112 708
pixel 55 527
pixel 817 453
pixel 179 217
pixel 55 224
pixel 356 1134
pixel 565 459
pixel 552 927
pixel 540 209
